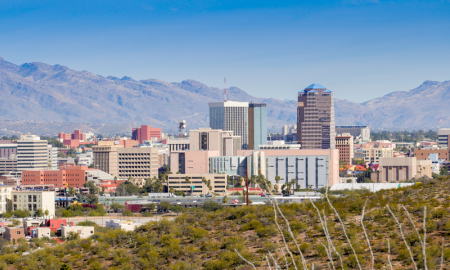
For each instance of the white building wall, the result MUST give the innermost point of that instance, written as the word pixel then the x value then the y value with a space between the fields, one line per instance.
pixel 5 195
pixel 45 200
pixel 83 231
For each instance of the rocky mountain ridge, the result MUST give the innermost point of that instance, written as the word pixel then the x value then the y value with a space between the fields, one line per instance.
pixel 46 93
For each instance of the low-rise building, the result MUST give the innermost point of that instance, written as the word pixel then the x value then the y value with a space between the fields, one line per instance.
pixel 126 225
pixel 177 182
pixel 13 233
pixel 401 169
pixel 29 223
pixel 55 224
pixel 191 162
pixel 424 153
pixel 41 232
pixel 32 200
pixel 70 175
pixel 374 154
pixel 82 231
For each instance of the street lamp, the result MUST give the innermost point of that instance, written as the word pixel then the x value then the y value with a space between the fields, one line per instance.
pixel 85 216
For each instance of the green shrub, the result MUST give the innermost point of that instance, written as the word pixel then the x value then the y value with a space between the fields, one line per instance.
pixel 127 213
pixel 252 225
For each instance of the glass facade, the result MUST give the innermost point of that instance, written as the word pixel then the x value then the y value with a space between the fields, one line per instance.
pixel 230 116
pixel 257 125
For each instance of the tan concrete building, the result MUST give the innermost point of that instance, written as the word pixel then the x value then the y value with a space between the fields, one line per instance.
pixel 397 169
pixel 423 154
pixel 191 162
pixel 41 232
pixel 13 233
pixel 139 163
pixel 374 154
pixel 83 231
pixel 32 200
pixel 196 185
pixel 344 143
pixel 8 164
pixel 214 140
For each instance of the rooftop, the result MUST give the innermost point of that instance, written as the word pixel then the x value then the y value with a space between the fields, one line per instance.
pixel 315 86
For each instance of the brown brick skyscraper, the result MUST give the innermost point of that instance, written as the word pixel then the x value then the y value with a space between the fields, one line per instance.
pixel 315 118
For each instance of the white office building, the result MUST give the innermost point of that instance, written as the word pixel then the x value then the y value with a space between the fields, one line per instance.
pixel 32 153
pixel 230 115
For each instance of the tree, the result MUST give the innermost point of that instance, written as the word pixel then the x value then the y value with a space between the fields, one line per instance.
pixel 212 206
pixel 46 212
pixel 38 213
pixel 151 206
pixel 187 179
pixel 116 206
pixel 225 199
pixel 171 190
pixel 277 178
pixel 164 206
pixel 176 208
pixel 72 191
pixel 92 187
pixel 127 213
pixel 92 199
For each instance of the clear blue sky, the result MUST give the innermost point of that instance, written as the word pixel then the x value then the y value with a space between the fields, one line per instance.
pixel 360 49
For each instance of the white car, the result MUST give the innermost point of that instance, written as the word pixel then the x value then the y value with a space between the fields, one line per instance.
pixel 27 237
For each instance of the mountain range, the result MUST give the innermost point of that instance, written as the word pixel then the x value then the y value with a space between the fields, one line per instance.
pixel 54 93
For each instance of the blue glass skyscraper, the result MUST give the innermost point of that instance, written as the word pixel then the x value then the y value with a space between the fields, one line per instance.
pixel 257 125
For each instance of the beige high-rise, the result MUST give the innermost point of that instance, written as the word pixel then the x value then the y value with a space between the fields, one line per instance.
pixel 315 118
pixel 139 163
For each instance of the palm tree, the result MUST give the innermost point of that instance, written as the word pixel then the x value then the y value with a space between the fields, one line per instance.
pixel 293 182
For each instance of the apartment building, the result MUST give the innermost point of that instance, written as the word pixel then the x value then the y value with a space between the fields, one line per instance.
pixel 196 186
pixel 315 118
pixel 374 154
pixel 32 153
pixel 344 142
pixel 32 200
pixel 395 169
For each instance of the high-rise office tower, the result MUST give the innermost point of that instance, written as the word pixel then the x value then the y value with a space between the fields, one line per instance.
pixel 315 118
pixel 32 153
pixel 257 125
pixel 230 115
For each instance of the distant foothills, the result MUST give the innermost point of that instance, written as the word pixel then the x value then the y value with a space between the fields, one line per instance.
pixel 45 98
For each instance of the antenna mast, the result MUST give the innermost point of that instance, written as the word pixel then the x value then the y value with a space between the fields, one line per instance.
pixel 225 81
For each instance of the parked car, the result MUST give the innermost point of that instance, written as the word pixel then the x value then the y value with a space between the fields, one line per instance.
pixel 208 195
